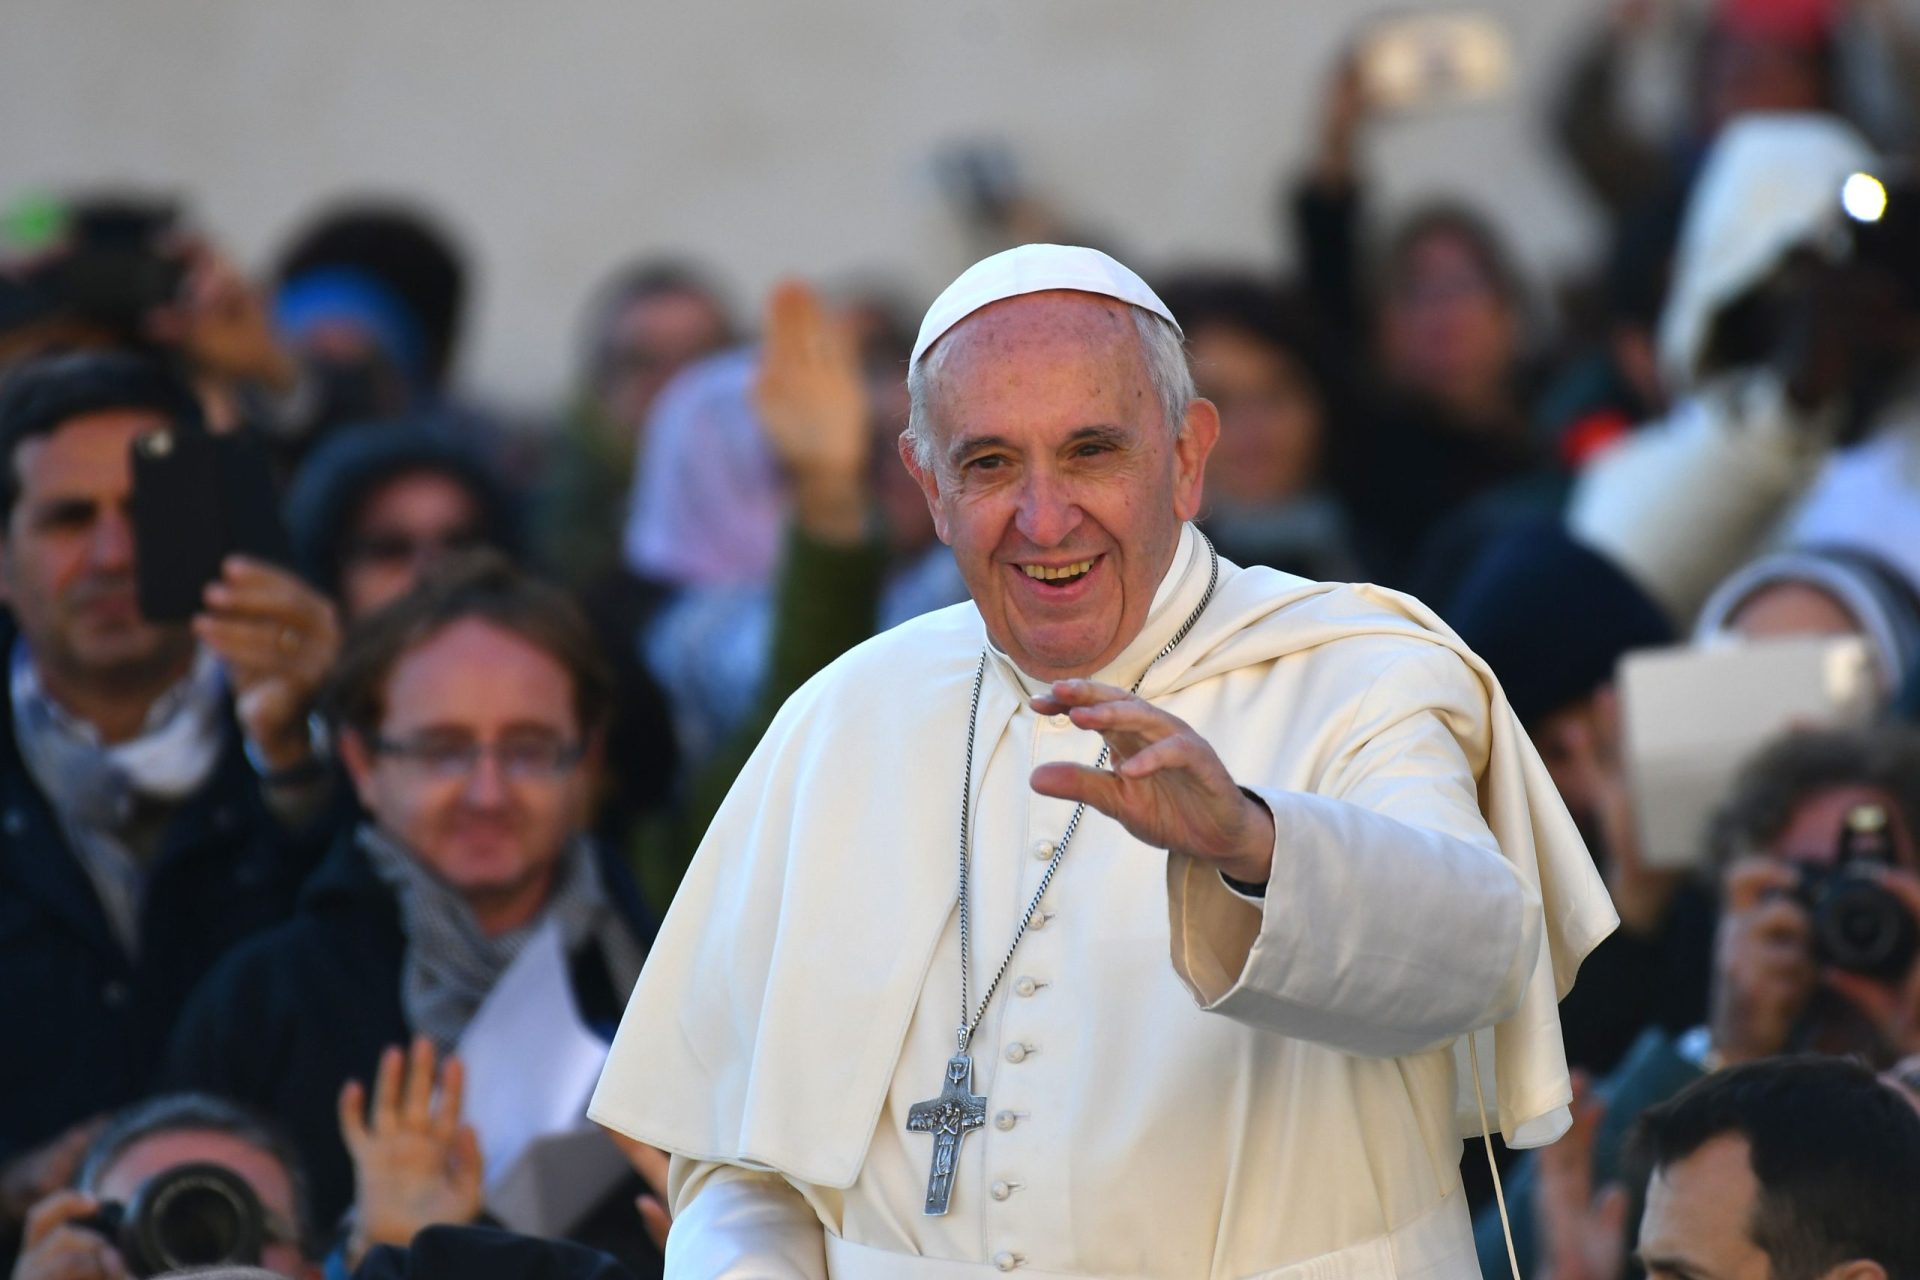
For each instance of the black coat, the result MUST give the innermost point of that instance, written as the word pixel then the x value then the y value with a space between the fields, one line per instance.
pixel 85 1024
pixel 290 1017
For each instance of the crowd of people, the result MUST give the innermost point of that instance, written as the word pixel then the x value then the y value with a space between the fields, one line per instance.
pixel 317 896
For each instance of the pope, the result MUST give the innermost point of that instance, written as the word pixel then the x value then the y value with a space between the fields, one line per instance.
pixel 1145 916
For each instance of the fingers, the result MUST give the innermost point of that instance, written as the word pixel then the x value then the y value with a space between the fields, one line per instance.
pixel 416 1107
pixel 656 1220
pixel 794 320
pixel 453 1086
pixel 252 588
pixel 352 1107
pixel 53 1212
pixel 1067 694
pixel 1095 788
pixel 387 1082
pixel 466 1167
pixel 1750 880
pixel 1169 753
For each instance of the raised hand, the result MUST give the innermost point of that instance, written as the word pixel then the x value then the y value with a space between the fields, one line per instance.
pixel 812 401
pixel 279 638
pixel 651 1164
pixel 1582 1236
pixel 220 320
pixel 1166 785
pixel 1764 973
pixel 415 1164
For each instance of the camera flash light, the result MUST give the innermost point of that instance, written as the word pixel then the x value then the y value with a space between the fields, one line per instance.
pixel 1864 197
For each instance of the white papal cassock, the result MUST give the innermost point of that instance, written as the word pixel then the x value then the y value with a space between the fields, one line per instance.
pixel 1180 1082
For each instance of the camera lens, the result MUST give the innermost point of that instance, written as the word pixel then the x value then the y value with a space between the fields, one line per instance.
pixel 1865 929
pixel 199 1215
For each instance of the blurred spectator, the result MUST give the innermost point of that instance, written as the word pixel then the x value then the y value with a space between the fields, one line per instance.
pixel 1256 357
pixel 371 295
pixel 260 1218
pixel 759 505
pixel 1757 345
pixel 647 323
pixel 158 782
pixel 1781 838
pixel 377 505
pixel 1806 1165
pixel 1740 57
pixel 1798 1166
pixel 470 714
pixel 461 1253
pixel 1553 620
pixel 1820 591
pixel 1442 417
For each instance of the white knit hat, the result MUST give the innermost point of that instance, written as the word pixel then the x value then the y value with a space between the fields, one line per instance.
pixel 1032 268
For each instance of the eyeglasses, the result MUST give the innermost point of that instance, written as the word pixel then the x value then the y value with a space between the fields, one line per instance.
pixel 451 759
pixel 403 548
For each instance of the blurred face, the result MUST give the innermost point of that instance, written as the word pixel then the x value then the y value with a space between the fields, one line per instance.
pixel 260 1170
pixel 1447 332
pixel 653 339
pixel 67 559
pixel 1055 480
pixel 1812 834
pixel 1791 609
pixel 1749 72
pixel 406 525
pixel 1270 417
pixel 1696 1223
pixel 478 767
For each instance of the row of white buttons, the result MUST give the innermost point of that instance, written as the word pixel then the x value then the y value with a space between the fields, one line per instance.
pixel 1007 1261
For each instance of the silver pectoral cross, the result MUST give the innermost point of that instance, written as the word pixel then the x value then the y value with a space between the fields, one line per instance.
pixel 948 1118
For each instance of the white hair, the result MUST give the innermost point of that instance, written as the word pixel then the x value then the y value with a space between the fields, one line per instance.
pixel 1164 350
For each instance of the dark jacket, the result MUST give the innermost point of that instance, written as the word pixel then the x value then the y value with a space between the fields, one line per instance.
pixel 289 1018
pixel 478 1253
pixel 85 1023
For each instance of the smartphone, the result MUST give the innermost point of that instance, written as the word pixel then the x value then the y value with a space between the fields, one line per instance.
pixel 1691 717
pixel 1423 60
pixel 197 499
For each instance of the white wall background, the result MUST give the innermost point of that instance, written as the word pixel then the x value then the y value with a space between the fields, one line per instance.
pixel 764 136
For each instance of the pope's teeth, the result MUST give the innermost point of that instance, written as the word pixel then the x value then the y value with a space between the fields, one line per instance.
pixel 1045 574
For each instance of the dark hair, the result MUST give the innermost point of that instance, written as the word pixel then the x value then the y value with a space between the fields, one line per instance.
pixel 637 282
pixel 1461 223
pixel 42 394
pixel 201 1112
pixel 1777 781
pixel 484 585
pixel 402 247
pixel 1835 1150
pixel 344 471
pixel 1270 315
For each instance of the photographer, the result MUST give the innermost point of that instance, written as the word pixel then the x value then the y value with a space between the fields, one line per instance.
pixel 139 1208
pixel 157 781
pixel 1793 830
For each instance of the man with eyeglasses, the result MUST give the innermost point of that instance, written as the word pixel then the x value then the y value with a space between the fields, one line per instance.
pixel 469 714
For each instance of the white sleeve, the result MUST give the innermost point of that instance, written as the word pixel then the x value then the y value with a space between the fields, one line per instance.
pixel 1391 923
pixel 1681 504
pixel 731 1223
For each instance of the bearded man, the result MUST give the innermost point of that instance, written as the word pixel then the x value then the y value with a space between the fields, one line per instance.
pixel 1241 861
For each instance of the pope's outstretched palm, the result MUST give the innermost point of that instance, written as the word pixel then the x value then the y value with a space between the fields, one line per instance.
pixel 1167 786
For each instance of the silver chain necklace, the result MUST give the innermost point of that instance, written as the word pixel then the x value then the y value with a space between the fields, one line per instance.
pixel 958 1110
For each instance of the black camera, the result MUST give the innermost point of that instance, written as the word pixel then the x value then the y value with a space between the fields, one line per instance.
pixel 193 1215
pixel 1857 924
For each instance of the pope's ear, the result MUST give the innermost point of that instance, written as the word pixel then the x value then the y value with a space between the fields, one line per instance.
pixel 1199 432
pixel 929 482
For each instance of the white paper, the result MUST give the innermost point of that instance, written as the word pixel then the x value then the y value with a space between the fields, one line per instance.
pixel 531 1065
pixel 1692 717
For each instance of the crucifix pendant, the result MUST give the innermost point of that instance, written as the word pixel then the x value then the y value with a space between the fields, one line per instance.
pixel 948 1118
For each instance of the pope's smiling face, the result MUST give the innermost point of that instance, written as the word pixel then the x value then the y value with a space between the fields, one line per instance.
pixel 1054 476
